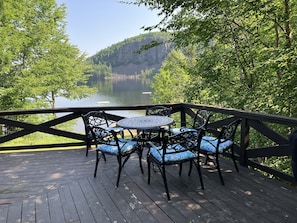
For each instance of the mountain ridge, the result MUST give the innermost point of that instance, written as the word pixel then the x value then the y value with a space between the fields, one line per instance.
pixel 136 54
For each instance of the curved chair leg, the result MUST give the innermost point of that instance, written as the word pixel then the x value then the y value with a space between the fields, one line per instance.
pixel 121 165
pixel 97 162
pixel 104 157
pixel 190 169
pixel 165 181
pixel 120 170
pixel 88 146
pixel 180 169
pixel 219 169
pixel 234 161
pixel 199 172
pixel 140 159
pixel 149 171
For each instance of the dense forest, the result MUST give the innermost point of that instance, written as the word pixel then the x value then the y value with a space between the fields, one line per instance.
pixel 238 54
pixel 233 54
pixel 134 55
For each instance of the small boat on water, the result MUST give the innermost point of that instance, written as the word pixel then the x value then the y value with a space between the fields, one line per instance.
pixel 103 102
pixel 146 92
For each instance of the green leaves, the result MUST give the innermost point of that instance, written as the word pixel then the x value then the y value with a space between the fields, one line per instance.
pixel 247 52
pixel 172 79
pixel 37 61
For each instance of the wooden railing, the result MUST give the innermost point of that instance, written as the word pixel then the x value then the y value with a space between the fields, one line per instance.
pixel 249 155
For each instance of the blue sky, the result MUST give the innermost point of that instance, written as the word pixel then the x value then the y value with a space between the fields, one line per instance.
pixel 93 25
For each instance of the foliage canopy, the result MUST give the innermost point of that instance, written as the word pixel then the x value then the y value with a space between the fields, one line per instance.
pixel 37 61
pixel 246 57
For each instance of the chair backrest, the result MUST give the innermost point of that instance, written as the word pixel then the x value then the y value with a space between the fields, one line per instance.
pixel 105 136
pixel 159 110
pixel 228 131
pixel 201 119
pixel 189 140
pixel 95 119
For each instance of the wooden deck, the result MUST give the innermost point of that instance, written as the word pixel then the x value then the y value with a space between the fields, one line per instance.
pixel 58 186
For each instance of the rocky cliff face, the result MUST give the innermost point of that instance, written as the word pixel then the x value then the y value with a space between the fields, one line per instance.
pixel 125 59
pixel 128 61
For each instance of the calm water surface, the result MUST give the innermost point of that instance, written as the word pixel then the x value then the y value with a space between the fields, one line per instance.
pixel 113 93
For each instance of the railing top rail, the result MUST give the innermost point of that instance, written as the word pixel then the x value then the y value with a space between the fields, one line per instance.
pixel 247 114
pixel 176 107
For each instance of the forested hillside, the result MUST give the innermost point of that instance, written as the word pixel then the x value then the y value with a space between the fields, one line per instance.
pixel 127 57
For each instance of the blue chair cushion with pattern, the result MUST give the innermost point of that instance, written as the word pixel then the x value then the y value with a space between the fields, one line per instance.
pixel 209 143
pixel 176 131
pixel 104 134
pixel 157 153
pixel 127 146
pixel 115 129
pixel 90 136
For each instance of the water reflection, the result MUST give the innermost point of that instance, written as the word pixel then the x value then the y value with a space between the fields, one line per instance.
pixel 116 92
pixel 119 92
pixel 123 91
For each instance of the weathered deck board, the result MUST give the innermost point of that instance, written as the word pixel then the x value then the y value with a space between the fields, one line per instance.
pixel 58 186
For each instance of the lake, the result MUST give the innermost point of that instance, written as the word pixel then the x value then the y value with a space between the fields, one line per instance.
pixel 115 92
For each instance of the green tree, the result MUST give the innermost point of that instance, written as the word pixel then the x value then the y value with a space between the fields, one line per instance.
pixel 37 61
pixel 100 71
pixel 170 82
pixel 248 53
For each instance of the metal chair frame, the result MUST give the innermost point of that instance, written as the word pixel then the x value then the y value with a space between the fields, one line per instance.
pixel 155 134
pixel 175 145
pixel 109 138
pixel 93 119
pixel 200 120
pixel 226 134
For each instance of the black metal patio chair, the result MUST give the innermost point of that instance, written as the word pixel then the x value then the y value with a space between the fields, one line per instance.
pixel 200 123
pixel 155 134
pixel 175 149
pixel 110 143
pixel 94 119
pixel 213 146
pixel 200 120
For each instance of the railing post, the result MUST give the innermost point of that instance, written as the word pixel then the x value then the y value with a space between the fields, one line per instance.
pixel 244 142
pixel 293 145
pixel 183 120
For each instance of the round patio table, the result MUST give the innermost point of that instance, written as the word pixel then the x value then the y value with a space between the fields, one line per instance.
pixel 145 122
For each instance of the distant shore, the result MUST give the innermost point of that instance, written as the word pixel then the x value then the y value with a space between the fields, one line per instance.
pixel 124 76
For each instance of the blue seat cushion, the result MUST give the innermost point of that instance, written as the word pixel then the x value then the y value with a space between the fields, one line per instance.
pixel 176 131
pixel 115 129
pixel 101 134
pixel 172 156
pixel 126 147
pixel 209 143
